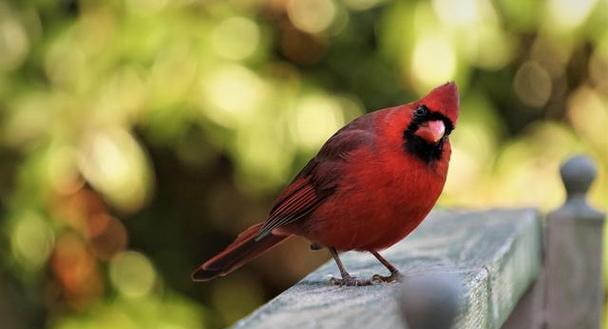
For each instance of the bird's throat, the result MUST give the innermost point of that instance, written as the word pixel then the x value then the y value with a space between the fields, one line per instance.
pixel 421 149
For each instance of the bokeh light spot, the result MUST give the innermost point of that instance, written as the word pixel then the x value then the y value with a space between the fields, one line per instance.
pixel 114 163
pixel 32 240
pixel 316 119
pixel 235 38
pixel 28 121
pixel 14 42
pixel 433 62
pixel 312 16
pixel 107 234
pixel 465 164
pixel 569 14
pixel 493 48
pixel 598 67
pixel 62 171
pixel 263 159
pixel 132 274
pixel 589 116
pixel 76 270
pixel 464 12
pixel 234 92
pixel 532 84
pixel 62 52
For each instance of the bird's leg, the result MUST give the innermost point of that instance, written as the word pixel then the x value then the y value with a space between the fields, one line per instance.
pixel 347 279
pixel 394 271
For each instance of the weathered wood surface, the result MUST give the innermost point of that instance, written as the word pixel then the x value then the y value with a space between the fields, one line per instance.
pixel 497 253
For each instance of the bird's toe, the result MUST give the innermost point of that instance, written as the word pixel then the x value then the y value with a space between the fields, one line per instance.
pixel 377 278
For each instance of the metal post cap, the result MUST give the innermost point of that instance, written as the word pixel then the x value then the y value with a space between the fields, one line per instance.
pixel 578 173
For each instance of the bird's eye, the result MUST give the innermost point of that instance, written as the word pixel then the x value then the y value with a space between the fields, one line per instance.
pixel 421 111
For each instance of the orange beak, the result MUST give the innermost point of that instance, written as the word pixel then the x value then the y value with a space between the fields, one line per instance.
pixel 431 131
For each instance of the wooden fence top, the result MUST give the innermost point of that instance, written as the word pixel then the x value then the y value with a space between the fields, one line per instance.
pixel 495 253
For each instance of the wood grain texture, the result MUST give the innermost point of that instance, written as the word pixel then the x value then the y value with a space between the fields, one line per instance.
pixel 497 253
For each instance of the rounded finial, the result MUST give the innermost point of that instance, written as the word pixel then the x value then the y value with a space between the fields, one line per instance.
pixel 578 173
pixel 431 301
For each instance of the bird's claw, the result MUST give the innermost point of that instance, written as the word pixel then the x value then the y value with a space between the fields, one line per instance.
pixel 350 281
pixel 377 278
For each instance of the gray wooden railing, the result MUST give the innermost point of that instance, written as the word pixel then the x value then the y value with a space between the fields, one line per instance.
pixel 496 268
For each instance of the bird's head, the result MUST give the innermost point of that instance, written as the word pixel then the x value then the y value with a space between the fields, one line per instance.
pixel 432 119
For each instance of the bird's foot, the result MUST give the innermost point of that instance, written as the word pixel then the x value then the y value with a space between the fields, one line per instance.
pixel 395 276
pixel 350 281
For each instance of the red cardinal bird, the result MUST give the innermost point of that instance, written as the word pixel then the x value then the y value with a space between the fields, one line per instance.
pixel 369 186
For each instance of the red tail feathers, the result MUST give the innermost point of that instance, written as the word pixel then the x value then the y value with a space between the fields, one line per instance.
pixel 243 250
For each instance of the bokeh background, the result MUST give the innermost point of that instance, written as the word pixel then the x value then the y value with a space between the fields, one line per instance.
pixel 138 137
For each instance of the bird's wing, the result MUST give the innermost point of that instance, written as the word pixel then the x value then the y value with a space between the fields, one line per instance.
pixel 319 178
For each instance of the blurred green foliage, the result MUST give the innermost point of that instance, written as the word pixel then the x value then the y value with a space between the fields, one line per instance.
pixel 139 136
